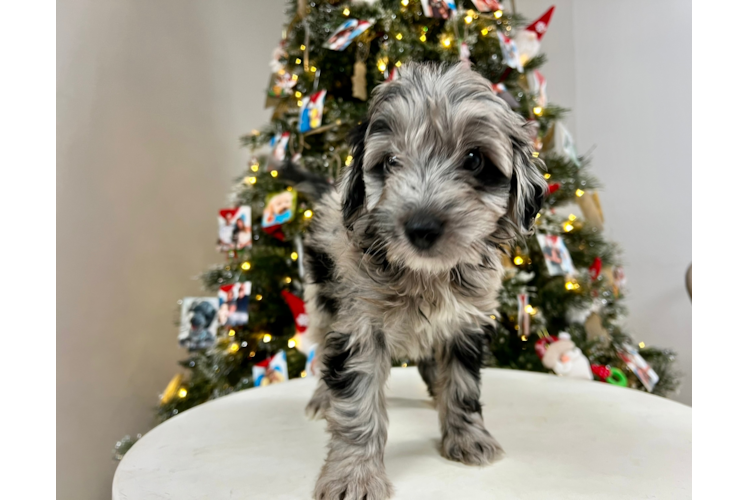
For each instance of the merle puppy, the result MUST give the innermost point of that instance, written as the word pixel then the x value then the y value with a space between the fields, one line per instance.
pixel 404 261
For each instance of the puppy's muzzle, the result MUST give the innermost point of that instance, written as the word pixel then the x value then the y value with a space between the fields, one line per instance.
pixel 423 230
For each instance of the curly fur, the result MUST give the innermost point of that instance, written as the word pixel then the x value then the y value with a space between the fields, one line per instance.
pixel 373 295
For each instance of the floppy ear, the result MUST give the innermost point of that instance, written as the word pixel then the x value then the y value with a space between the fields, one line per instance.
pixel 528 186
pixel 352 187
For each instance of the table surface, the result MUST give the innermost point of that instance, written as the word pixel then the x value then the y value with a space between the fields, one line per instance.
pixel 564 439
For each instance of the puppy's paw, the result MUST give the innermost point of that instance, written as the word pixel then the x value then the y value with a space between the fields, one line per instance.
pixel 472 446
pixel 352 483
pixel 317 406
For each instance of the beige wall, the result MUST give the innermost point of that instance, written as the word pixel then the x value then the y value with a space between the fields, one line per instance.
pixel 152 98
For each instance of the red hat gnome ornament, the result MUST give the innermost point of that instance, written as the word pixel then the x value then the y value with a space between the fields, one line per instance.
pixel 300 317
pixel 528 39
pixel 562 356
pixel 303 343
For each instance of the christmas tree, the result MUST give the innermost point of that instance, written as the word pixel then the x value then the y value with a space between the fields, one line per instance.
pixel 563 288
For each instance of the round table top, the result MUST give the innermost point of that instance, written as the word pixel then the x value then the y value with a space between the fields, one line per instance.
pixel 563 439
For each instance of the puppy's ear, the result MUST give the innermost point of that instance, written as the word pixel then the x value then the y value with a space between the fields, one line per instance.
pixel 352 187
pixel 529 187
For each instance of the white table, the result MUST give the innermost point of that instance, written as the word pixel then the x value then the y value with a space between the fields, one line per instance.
pixel 564 439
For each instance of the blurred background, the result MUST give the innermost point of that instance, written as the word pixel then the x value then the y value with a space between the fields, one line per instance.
pixel 152 98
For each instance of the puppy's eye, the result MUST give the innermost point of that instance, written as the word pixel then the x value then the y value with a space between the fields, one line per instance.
pixel 391 162
pixel 473 161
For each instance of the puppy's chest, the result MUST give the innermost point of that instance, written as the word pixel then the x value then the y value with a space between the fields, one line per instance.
pixel 413 323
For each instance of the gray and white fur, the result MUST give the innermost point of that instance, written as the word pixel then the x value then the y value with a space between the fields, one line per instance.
pixel 403 261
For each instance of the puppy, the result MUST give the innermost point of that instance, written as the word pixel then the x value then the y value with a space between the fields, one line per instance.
pixel 403 261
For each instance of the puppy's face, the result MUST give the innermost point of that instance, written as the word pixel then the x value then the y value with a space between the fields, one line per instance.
pixel 441 168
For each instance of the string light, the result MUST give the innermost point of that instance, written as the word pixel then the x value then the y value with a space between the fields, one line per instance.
pixel 232 332
pixel 398 64
pixel 579 193
pixel 572 285
pixel 538 110
pixel 252 354
pixel 518 260
pixel 287 280
pixel 255 167
pixel 568 227
pixel 530 310
pixel 289 189
pixel 303 373
pixel 572 217
pixel 535 154
pixel 382 65
pixel 484 31
pixel 299 103
pixel 446 42
pixel 547 176
pixel 468 19
pixel 274 173
pixel 182 392
pixel 509 28
pixel 267 338
pixel 294 256
pixel 405 2
pixel 313 69
pixel 308 214
pixel 498 14
pixel 348 160
pixel 234 347
pixel 246 266
pixel 250 180
pixel 302 47
pixel 258 297
pixel 346 12
pixel 524 338
pixel 298 95
pixel 399 36
pixel 422 38
pixel 294 77
pixel 291 343
pixel 642 345
pixel 298 61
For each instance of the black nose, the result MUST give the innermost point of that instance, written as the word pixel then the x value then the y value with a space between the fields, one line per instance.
pixel 423 230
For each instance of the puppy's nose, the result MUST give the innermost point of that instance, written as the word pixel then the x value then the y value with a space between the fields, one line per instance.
pixel 423 230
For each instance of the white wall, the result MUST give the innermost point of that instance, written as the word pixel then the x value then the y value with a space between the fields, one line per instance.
pixel 624 69
pixel 152 98
pixel 633 102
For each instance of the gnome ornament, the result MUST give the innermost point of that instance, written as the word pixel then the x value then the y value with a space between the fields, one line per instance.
pixel 270 371
pixel 301 318
pixel 563 357
pixel 528 40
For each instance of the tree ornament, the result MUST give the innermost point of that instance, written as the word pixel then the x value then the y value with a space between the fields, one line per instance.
pixel 596 268
pixel 171 389
pixel 300 317
pixel 593 327
pixel 561 355
pixel 509 52
pixel 589 204
pixel 528 39
pixel 611 375
pixel 646 375
pixel 271 371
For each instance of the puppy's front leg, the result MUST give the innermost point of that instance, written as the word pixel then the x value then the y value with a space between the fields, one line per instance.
pixel 464 437
pixel 356 368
